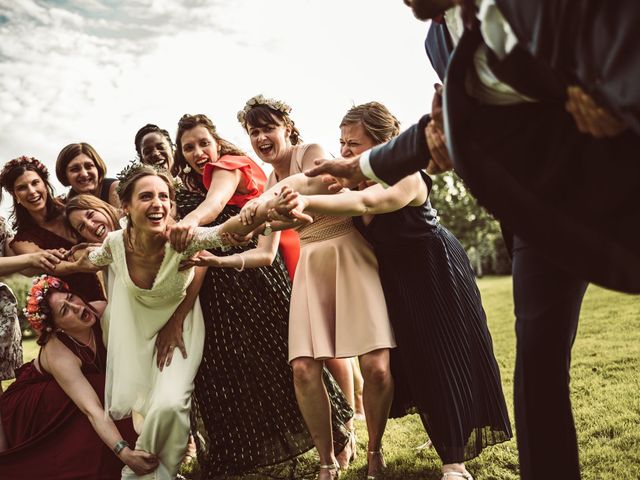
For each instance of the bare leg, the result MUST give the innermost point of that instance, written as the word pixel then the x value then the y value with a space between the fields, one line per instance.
pixel 315 407
pixel 377 397
pixel 358 385
pixel 342 370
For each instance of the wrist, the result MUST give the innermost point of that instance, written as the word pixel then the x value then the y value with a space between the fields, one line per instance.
pixel 120 447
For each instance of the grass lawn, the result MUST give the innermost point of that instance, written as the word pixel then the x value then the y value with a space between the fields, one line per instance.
pixel 605 387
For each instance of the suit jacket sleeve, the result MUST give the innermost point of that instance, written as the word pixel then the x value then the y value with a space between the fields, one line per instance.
pixel 405 154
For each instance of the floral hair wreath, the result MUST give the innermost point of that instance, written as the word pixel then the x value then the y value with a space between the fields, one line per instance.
pixel 272 103
pixel 37 309
pixel 134 166
pixel 23 161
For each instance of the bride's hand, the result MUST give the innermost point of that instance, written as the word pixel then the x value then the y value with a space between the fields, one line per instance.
pixel 169 338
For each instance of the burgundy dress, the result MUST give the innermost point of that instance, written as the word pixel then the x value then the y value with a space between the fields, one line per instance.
pixel 86 285
pixel 49 437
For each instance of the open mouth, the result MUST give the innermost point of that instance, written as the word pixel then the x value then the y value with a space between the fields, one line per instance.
pixel 202 162
pixel 35 199
pixel 100 231
pixel 85 316
pixel 155 217
pixel 266 148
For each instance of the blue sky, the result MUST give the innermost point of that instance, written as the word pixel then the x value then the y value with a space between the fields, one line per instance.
pixel 97 70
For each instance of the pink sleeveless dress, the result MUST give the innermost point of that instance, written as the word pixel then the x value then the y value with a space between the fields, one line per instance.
pixel 337 303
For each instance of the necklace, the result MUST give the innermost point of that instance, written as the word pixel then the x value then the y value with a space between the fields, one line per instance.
pixel 81 348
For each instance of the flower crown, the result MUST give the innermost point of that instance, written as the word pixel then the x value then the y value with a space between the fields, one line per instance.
pixel 37 309
pixel 133 167
pixel 272 103
pixel 24 161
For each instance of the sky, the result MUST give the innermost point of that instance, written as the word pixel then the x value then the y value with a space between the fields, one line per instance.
pixel 98 70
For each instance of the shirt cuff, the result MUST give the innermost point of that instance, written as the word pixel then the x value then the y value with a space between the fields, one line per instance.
pixel 366 169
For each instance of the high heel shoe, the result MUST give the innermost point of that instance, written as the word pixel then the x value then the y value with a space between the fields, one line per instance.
pixel 383 465
pixel 465 475
pixel 349 453
pixel 334 470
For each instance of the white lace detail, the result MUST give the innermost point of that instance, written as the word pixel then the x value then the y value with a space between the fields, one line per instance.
pixel 205 238
pixel 101 256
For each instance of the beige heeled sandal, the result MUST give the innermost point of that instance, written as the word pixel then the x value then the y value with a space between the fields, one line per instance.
pixel 374 476
pixel 465 475
pixel 334 468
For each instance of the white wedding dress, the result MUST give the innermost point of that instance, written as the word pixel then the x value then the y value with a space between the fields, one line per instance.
pixel 159 402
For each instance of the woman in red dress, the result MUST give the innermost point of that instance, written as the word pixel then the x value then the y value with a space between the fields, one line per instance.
pixel 244 404
pixel 52 416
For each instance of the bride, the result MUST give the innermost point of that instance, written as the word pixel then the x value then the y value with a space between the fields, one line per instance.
pixel 145 286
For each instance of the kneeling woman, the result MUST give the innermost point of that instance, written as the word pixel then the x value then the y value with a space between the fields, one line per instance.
pixel 52 415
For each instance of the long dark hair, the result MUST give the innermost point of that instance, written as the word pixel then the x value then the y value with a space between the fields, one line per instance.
pixel 192 180
pixel 14 169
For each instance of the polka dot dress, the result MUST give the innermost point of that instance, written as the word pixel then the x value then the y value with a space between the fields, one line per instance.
pixel 244 412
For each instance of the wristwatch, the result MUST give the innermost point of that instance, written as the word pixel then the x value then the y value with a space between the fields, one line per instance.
pixel 267 229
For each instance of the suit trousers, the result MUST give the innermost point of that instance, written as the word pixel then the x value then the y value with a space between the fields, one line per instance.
pixel 547 307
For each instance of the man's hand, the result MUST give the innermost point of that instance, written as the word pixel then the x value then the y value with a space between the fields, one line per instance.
pixel 440 160
pixel 346 171
pixel 591 118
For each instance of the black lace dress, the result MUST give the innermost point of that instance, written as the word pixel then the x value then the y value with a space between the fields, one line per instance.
pixel 244 412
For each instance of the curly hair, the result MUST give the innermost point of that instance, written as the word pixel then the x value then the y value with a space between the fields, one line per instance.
pixel 14 169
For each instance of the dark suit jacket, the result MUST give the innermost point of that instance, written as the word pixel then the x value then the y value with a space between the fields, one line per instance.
pixel 408 152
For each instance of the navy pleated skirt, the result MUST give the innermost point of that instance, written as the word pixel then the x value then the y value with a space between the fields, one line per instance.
pixel 444 366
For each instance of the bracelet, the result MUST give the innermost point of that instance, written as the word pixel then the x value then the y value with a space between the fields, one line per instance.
pixel 121 445
pixel 242 260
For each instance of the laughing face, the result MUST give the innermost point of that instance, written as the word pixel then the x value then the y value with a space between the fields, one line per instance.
pixel 156 150
pixel 82 174
pixel 199 148
pixel 150 205
pixel 92 224
pixel 70 313
pixel 30 191
pixel 270 142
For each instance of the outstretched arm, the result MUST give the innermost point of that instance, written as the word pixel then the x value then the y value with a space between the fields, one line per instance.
pixel 260 256
pixel 372 200
pixel 31 263
pixel 65 368
pixel 224 183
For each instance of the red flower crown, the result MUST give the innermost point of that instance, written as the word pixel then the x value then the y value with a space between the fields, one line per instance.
pixel 22 162
pixel 37 309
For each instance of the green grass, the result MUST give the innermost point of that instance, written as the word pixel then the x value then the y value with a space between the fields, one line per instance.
pixel 605 395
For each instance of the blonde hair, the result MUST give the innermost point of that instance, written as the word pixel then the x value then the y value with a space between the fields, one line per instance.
pixel 376 119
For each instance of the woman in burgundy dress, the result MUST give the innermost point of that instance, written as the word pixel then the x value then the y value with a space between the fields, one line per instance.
pixel 39 222
pixel 52 415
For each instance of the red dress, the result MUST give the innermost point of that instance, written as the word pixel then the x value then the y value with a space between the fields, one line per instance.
pixel 86 285
pixel 254 180
pixel 49 437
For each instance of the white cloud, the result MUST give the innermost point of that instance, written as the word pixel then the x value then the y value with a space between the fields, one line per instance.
pixel 87 70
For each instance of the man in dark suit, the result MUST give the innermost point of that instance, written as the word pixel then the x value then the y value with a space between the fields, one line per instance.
pixel 536 162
